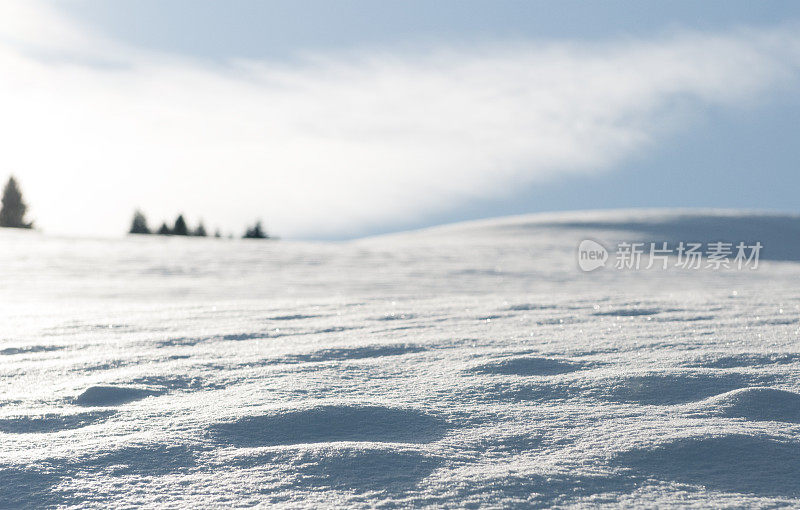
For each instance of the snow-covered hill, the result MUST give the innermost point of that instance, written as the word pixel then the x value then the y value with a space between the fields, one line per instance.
pixel 464 365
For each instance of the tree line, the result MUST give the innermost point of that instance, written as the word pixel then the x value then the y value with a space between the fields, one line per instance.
pixel 180 228
pixel 13 210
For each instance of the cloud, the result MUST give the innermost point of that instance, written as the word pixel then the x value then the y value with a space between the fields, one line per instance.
pixel 333 144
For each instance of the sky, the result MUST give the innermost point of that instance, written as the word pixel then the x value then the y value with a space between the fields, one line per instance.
pixel 333 120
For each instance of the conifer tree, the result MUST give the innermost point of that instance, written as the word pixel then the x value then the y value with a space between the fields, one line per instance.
pixel 256 232
pixel 200 231
pixel 139 224
pixel 12 212
pixel 180 228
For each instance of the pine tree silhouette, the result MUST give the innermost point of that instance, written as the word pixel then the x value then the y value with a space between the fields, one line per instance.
pixel 164 230
pixel 139 224
pixel 200 231
pixel 180 228
pixel 12 213
pixel 256 232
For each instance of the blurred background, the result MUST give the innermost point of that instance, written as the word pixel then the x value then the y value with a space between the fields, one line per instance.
pixel 334 121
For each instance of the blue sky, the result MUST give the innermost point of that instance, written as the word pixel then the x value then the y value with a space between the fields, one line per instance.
pixel 269 29
pixel 715 128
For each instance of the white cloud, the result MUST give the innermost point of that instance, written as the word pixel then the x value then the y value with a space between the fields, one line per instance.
pixel 337 143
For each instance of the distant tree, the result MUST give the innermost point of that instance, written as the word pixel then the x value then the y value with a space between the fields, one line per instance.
pixel 256 232
pixel 180 228
pixel 12 213
pixel 217 233
pixel 200 231
pixel 164 230
pixel 139 224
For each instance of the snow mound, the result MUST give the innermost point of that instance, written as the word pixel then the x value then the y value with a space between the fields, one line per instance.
pixel 778 232
pixel 354 353
pixel 743 360
pixel 355 468
pixel 365 469
pixel 528 365
pixel 759 404
pixel 293 317
pixel 10 351
pixel 667 388
pixel 51 422
pixel 656 388
pixel 527 307
pixel 99 396
pixel 332 423
pixel 731 463
pixel 628 312
pixel 54 486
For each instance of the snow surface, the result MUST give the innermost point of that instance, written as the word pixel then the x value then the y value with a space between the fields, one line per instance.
pixel 467 365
